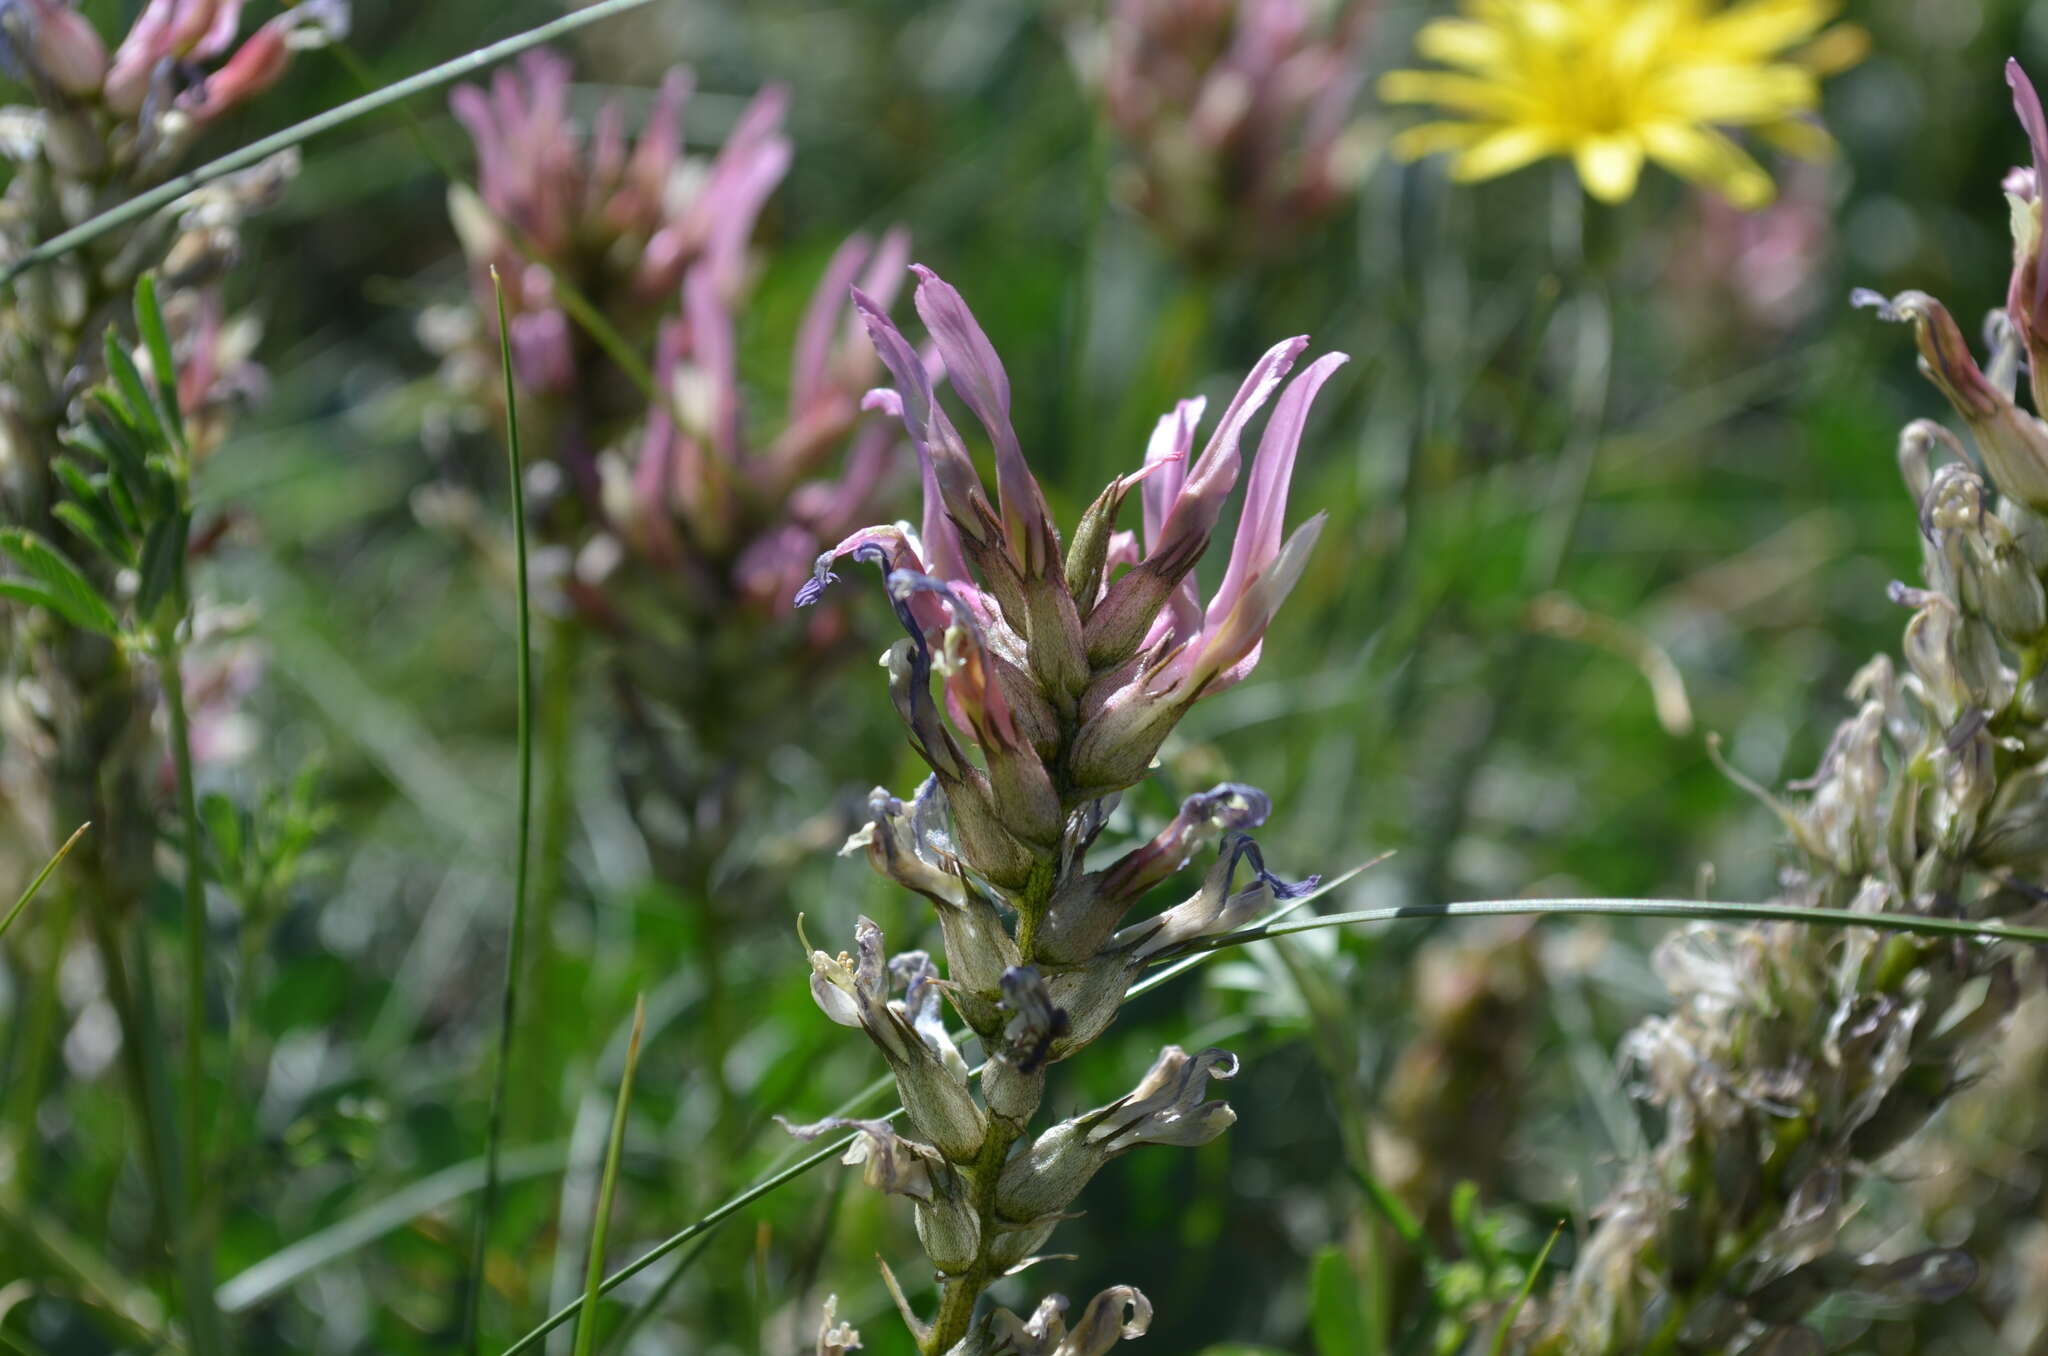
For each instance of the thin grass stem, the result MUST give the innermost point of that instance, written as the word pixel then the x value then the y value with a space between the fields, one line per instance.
pixel 172 189
pixel 593 1275
pixel 34 886
pixel 515 952
pixel 189 1224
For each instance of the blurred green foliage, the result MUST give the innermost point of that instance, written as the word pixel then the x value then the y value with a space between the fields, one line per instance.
pixel 1740 515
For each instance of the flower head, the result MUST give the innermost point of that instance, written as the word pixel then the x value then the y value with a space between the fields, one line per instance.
pixel 1611 83
pixel 1112 628
pixel 1237 115
pixel 672 486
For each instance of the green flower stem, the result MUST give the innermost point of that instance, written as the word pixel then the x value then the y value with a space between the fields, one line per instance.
pixel 189 1221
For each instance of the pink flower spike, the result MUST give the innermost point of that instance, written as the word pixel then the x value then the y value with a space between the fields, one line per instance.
pixel 976 373
pixel 810 366
pixel 1263 524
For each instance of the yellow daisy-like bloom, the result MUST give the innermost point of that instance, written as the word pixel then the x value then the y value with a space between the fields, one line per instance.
pixel 1611 83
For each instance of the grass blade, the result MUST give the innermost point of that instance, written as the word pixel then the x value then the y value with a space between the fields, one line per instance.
pixel 515 953
pixel 36 885
pixel 593 1276
pixel 176 187
pixel 1507 1320
pixel 1692 910
pixel 288 1266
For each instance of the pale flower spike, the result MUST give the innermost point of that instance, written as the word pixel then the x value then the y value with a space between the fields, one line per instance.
pixel 1796 1059
pixel 1064 667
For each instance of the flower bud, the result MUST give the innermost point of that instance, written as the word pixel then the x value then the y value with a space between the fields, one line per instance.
pixel 2014 444
pixel 888 1162
pixel 948 1228
pixel 55 43
pixel 1119 1313
pixel 930 1075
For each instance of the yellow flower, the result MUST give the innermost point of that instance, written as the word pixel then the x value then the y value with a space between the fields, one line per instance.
pixel 1613 82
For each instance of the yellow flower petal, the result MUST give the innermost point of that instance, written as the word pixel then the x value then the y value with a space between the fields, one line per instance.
pixel 1479 47
pixel 1505 151
pixel 1707 157
pixel 1462 93
pixel 1611 82
pixel 1435 138
pixel 1609 166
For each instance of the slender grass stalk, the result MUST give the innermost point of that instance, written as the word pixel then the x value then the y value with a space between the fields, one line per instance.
pixel 515 952
pixel 275 1274
pixel 172 189
pixel 170 663
pixel 1689 909
pixel 181 1223
pixel 36 885
pixel 593 1275
pixel 1507 1320
pixel 189 1218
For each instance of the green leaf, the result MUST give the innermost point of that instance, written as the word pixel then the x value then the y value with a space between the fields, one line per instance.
pixel 1241 1349
pixel 224 826
pixel 66 590
pixel 149 319
pixel 1337 1314
pixel 107 437
pixel 90 520
pixel 162 568
pixel 134 400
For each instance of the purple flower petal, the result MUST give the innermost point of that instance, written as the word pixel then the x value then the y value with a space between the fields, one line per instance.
pixel 1200 502
pixel 810 367
pixel 1263 523
pixel 931 432
pixel 977 374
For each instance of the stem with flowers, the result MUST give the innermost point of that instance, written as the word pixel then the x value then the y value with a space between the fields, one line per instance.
pixel 1796 1059
pixel 1062 671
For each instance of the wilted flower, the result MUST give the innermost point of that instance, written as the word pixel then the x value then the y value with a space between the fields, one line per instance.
pixel 835 1338
pixel 1796 1058
pixel 1611 83
pixel 1237 115
pixel 1060 670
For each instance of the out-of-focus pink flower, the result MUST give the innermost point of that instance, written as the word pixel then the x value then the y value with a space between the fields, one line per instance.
pixel 51 41
pixel 1762 270
pixel 612 217
pixel 2026 302
pixel 687 484
pixel 1238 116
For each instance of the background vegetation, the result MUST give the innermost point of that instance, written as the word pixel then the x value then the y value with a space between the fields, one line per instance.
pixel 1460 680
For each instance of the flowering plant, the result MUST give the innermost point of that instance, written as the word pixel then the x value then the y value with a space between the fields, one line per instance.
pixel 1062 670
